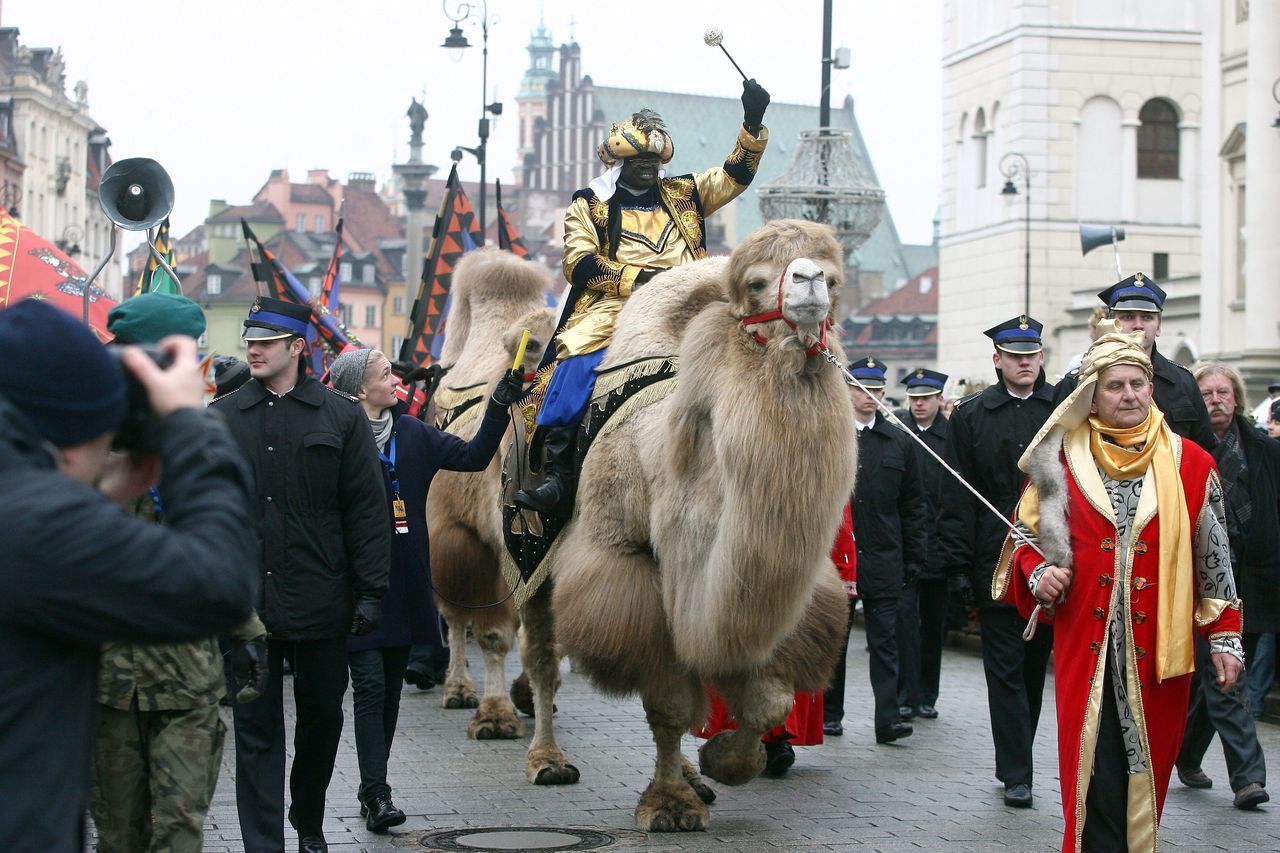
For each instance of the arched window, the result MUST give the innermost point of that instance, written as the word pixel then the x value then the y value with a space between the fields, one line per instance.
pixel 980 148
pixel 1158 140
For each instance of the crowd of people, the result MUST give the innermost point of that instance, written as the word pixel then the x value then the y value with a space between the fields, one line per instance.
pixel 1125 522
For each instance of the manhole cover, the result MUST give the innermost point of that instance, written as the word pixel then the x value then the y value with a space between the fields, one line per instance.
pixel 524 839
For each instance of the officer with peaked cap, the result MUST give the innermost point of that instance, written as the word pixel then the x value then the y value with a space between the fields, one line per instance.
pixel 1137 304
pixel 987 433
pixel 889 518
pixel 325 553
pixel 922 612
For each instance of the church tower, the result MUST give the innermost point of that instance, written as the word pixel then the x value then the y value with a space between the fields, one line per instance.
pixel 531 101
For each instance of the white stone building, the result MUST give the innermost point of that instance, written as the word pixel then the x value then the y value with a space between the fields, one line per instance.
pixel 1103 99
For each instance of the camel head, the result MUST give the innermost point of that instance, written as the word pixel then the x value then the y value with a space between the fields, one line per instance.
pixel 541 323
pixel 783 280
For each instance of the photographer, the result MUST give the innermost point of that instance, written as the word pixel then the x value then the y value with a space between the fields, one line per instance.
pixel 76 571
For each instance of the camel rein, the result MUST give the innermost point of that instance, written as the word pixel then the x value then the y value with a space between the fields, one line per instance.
pixel 1030 630
pixel 819 345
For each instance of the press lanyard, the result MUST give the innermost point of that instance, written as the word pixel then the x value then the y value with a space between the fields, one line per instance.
pixel 401 522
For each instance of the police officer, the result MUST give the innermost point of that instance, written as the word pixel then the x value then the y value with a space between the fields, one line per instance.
pixel 922 611
pixel 1137 304
pixel 325 546
pixel 987 433
pixel 889 518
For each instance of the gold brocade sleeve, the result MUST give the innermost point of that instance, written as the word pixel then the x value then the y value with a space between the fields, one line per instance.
pixel 585 262
pixel 721 185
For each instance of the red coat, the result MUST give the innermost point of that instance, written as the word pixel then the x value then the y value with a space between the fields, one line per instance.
pixel 845 553
pixel 1080 627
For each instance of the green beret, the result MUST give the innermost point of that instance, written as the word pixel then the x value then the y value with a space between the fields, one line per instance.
pixel 147 318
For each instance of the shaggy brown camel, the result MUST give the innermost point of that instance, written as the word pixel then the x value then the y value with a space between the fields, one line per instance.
pixel 494 296
pixel 700 551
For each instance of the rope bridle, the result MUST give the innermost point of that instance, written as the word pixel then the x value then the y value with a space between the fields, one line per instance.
pixel 818 344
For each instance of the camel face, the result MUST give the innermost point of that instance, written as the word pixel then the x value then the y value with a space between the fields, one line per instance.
pixel 805 300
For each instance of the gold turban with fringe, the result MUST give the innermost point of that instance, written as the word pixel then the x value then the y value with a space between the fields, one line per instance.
pixel 643 133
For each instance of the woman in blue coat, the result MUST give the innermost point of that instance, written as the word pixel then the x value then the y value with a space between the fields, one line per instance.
pixel 411 453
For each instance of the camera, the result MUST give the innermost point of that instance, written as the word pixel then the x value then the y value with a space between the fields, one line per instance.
pixel 138 432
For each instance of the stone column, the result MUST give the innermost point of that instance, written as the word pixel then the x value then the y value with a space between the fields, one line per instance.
pixel 414 175
pixel 1262 199
pixel 1189 145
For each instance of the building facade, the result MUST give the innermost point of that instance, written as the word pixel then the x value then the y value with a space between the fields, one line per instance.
pixel 1103 98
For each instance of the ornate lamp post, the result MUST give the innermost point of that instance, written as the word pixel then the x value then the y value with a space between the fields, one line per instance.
pixel 1014 165
pixel 457 43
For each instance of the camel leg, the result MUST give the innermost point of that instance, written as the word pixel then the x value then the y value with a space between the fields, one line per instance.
pixel 546 763
pixel 496 718
pixel 691 775
pixel 670 803
pixel 759 702
pixel 459 690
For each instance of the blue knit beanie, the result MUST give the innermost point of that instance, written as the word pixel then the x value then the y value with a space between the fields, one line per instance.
pixel 56 373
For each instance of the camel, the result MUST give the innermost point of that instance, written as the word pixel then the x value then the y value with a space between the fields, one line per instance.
pixel 699 551
pixel 495 295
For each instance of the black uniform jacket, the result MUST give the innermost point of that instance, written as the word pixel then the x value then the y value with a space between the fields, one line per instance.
pixel 932 473
pixel 76 571
pixel 889 510
pixel 1255 542
pixel 1175 392
pixel 987 434
pixel 321 505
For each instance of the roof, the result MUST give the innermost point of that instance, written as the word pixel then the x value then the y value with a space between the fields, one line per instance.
pixel 310 194
pixel 917 296
pixel 262 211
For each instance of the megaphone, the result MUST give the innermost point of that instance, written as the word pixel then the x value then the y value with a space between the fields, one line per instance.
pixel 1093 236
pixel 136 195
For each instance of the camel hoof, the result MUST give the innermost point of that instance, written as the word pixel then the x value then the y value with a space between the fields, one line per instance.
pixel 522 696
pixel 495 720
pixel 459 694
pixel 667 807
pixel 722 759
pixel 565 774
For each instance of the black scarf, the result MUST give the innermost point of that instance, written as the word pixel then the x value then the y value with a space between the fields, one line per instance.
pixel 1233 467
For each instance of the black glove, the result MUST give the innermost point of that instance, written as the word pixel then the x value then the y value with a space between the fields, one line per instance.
pixel 754 102
pixel 249 667
pixel 509 389
pixel 961 591
pixel 367 615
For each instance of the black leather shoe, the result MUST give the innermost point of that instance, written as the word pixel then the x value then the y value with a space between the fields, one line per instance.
pixel 1018 796
pixel 419 679
pixel 928 712
pixel 778 758
pixel 312 844
pixel 907 713
pixel 1194 778
pixel 897 731
pixel 833 728
pixel 383 814
pixel 553 497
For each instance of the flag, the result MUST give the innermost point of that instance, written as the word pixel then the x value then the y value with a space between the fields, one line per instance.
pixel 327 335
pixel 33 268
pixel 455 233
pixel 153 278
pixel 329 290
pixel 508 237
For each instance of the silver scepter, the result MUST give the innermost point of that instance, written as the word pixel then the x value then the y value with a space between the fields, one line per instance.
pixel 714 38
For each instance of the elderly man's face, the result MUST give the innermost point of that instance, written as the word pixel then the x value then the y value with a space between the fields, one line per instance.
pixel 1123 396
pixel 640 171
pixel 1219 399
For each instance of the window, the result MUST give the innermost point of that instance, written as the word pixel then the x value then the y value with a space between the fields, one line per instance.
pixel 213 284
pixel 980 148
pixel 396 343
pixel 344 270
pixel 1158 140
pixel 300 223
pixel 371 315
pixel 319 223
pixel 366 273
pixel 1160 266
pixel 314 285
pixel 397 305
pixel 346 312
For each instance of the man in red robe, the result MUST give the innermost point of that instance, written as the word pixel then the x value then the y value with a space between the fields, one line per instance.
pixel 1130 558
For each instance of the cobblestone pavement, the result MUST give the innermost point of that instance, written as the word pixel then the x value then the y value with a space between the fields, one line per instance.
pixel 933 791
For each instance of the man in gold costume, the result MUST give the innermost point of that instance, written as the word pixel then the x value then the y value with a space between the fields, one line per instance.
pixel 631 223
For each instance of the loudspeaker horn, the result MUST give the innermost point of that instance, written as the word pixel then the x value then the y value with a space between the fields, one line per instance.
pixel 1093 236
pixel 136 194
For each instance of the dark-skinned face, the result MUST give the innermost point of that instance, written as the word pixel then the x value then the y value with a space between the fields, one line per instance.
pixel 640 171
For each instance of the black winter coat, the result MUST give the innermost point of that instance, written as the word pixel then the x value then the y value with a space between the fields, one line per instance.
pixel 987 434
pixel 408 608
pixel 932 474
pixel 1176 393
pixel 321 505
pixel 1257 546
pixel 889 510
pixel 77 571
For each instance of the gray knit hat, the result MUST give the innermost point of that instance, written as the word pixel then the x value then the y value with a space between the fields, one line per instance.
pixel 347 371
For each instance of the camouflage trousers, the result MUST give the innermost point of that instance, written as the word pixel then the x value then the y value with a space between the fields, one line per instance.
pixel 153 777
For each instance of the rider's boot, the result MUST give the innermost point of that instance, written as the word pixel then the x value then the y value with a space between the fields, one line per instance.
pixel 554 496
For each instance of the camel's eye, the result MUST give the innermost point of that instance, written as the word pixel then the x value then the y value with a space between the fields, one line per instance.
pixel 757 285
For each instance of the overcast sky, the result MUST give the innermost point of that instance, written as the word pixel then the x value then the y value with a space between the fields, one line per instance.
pixel 221 93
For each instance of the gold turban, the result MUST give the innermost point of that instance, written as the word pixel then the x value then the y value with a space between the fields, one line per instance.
pixel 643 133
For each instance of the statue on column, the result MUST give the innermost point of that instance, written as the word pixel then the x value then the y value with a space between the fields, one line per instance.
pixel 417 120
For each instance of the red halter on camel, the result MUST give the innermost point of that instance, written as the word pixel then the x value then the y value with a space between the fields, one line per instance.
pixel 818 345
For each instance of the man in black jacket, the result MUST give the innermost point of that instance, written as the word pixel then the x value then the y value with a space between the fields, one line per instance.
pixel 77 571
pixel 326 551
pixel 922 610
pixel 987 433
pixel 1136 303
pixel 889 517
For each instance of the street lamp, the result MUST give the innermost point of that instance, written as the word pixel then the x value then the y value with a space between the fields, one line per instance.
pixel 1014 165
pixel 456 43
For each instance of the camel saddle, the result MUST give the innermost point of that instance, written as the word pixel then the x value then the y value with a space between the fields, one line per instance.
pixel 530 536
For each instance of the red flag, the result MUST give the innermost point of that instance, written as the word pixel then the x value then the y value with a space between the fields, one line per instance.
pixel 508 237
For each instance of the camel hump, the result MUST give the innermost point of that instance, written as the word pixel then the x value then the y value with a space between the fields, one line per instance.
pixel 654 319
